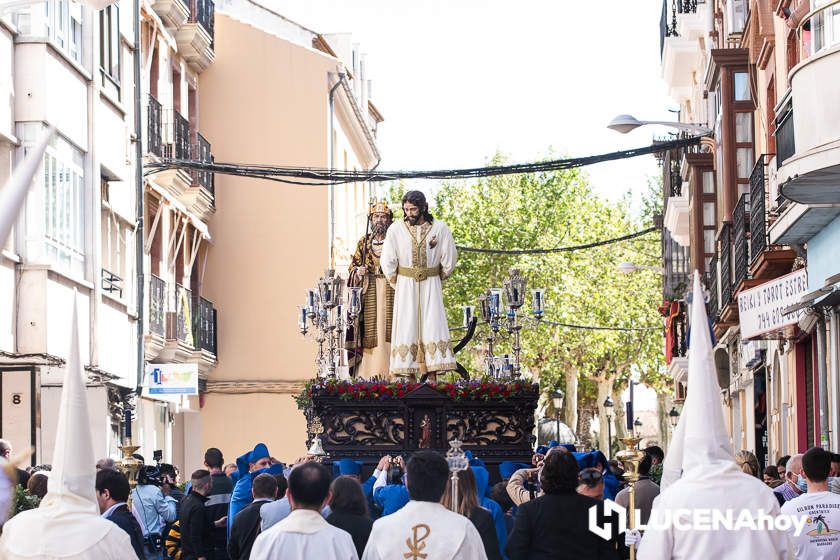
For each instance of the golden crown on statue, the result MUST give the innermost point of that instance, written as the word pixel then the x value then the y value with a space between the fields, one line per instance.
pixel 380 207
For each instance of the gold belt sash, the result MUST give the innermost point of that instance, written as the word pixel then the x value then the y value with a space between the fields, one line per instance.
pixel 419 273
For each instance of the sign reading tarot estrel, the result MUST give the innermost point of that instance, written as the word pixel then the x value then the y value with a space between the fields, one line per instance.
pixel 761 309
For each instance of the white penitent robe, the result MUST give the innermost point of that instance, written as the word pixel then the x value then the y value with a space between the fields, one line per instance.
pixel 416 260
pixel 43 535
pixel 424 530
pixel 306 534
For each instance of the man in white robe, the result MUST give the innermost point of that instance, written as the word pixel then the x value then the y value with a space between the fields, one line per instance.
pixel 68 525
pixel 418 254
pixel 699 471
pixel 423 528
pixel 305 533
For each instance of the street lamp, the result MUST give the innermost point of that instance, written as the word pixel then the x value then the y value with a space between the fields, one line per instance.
pixel 673 417
pixel 626 123
pixel 608 410
pixel 557 401
pixel 638 424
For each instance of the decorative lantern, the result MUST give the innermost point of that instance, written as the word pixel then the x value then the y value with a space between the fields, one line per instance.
pixel 329 289
pixel 469 312
pixel 484 306
pixel 495 302
pixel 354 300
pixel 515 289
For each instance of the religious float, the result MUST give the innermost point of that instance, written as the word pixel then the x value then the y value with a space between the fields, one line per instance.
pixel 412 405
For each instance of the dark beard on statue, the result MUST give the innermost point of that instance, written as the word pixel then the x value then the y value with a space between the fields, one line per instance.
pixel 412 220
pixel 379 229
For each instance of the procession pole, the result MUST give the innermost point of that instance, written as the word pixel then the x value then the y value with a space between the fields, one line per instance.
pixel 631 457
pixel 358 321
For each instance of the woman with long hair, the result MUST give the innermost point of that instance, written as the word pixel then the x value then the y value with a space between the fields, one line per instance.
pixel 469 508
pixel 349 510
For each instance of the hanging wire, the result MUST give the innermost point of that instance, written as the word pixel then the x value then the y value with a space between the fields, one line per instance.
pixel 315 176
pixel 557 249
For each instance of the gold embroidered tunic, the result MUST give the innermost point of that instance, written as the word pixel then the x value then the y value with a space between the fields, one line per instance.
pixel 416 260
pixel 377 310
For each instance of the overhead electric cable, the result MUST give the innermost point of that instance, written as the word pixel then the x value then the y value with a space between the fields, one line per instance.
pixel 557 249
pixel 315 176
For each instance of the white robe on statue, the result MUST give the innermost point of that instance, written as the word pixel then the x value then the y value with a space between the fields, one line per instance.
pixel 304 534
pixel 416 260
pixel 699 472
pixel 424 530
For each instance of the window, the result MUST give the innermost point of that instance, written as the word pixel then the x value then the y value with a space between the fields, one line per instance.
pixel 709 241
pixel 744 162
pixel 64 210
pixel 825 26
pixel 64 26
pixel 117 235
pixel 708 214
pixel 109 48
pixel 708 182
pixel 741 82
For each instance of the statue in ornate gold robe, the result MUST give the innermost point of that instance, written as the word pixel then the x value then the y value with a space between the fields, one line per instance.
pixel 372 337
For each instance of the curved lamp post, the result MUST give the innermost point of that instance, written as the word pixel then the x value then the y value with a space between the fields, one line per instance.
pixel 557 401
pixel 626 123
pixel 608 410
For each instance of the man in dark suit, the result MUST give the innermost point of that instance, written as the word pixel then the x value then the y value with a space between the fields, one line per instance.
pixel 112 493
pixel 246 524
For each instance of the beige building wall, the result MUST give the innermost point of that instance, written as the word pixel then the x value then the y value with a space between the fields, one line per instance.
pixel 270 239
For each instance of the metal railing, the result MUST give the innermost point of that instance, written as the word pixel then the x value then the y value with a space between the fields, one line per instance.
pixel 678 328
pixel 725 264
pixel 758 208
pixel 153 143
pixel 177 136
pixel 203 179
pixel 203 13
pixel 183 310
pixel 741 239
pixel 711 281
pixel 204 325
pixel 157 305
pixel 111 282
pixel 785 143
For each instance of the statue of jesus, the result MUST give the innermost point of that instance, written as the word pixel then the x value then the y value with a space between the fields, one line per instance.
pixel 418 254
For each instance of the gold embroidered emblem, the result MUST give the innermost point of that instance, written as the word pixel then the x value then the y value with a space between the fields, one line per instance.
pixel 416 546
pixel 432 348
pixel 403 351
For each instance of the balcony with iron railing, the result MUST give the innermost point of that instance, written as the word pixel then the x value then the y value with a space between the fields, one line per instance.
pixel 785 142
pixel 195 38
pixel 741 240
pixel 767 261
pixel 157 306
pixel 203 179
pixel 154 116
pixel 725 254
pixel 177 135
pixel 183 315
pixel 204 325
pixel 711 281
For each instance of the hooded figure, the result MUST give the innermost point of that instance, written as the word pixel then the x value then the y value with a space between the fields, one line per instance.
pixel 699 472
pixel 242 495
pixel 596 459
pixel 67 525
pixel 482 480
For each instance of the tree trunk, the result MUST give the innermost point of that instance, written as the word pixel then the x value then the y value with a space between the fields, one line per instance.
pixel 604 390
pixel 620 417
pixel 664 402
pixel 584 431
pixel 570 401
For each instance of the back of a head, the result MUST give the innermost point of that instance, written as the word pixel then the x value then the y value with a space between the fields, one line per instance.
pixel 655 452
pixel 201 480
pixel 105 463
pixel 264 486
pixel 467 493
pixel 427 472
pixel 747 462
pixel 309 485
pixel 559 473
pixel 782 462
pixel 816 463
pixel 213 458
pixel 282 484
pixel 646 464
pixel 348 496
pixel 499 494
pixel 115 482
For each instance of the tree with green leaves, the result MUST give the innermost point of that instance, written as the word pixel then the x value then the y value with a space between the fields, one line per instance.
pixel 583 287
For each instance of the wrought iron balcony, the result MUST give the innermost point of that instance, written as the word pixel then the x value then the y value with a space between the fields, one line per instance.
pixel 153 143
pixel 204 325
pixel 111 282
pixel 177 136
pixel 758 208
pixel 785 144
pixel 203 179
pixel 183 310
pixel 725 238
pixel 679 7
pixel 741 241
pixel 203 13
pixel 676 336
pixel 711 281
pixel 157 306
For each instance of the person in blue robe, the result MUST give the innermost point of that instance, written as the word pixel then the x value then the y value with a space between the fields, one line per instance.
pixel 249 466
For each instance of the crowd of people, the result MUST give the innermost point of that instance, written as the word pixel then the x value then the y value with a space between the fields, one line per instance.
pixel 261 508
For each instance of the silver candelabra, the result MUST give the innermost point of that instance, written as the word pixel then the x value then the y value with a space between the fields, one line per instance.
pixel 508 319
pixel 327 313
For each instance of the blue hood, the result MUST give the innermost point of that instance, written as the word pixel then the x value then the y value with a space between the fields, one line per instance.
pixel 482 480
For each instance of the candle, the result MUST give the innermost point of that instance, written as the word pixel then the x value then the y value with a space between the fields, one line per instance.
pixel 468 314
pixel 302 317
pixel 127 423
pixel 310 300
pixel 495 301
pixel 538 304
pixel 355 300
